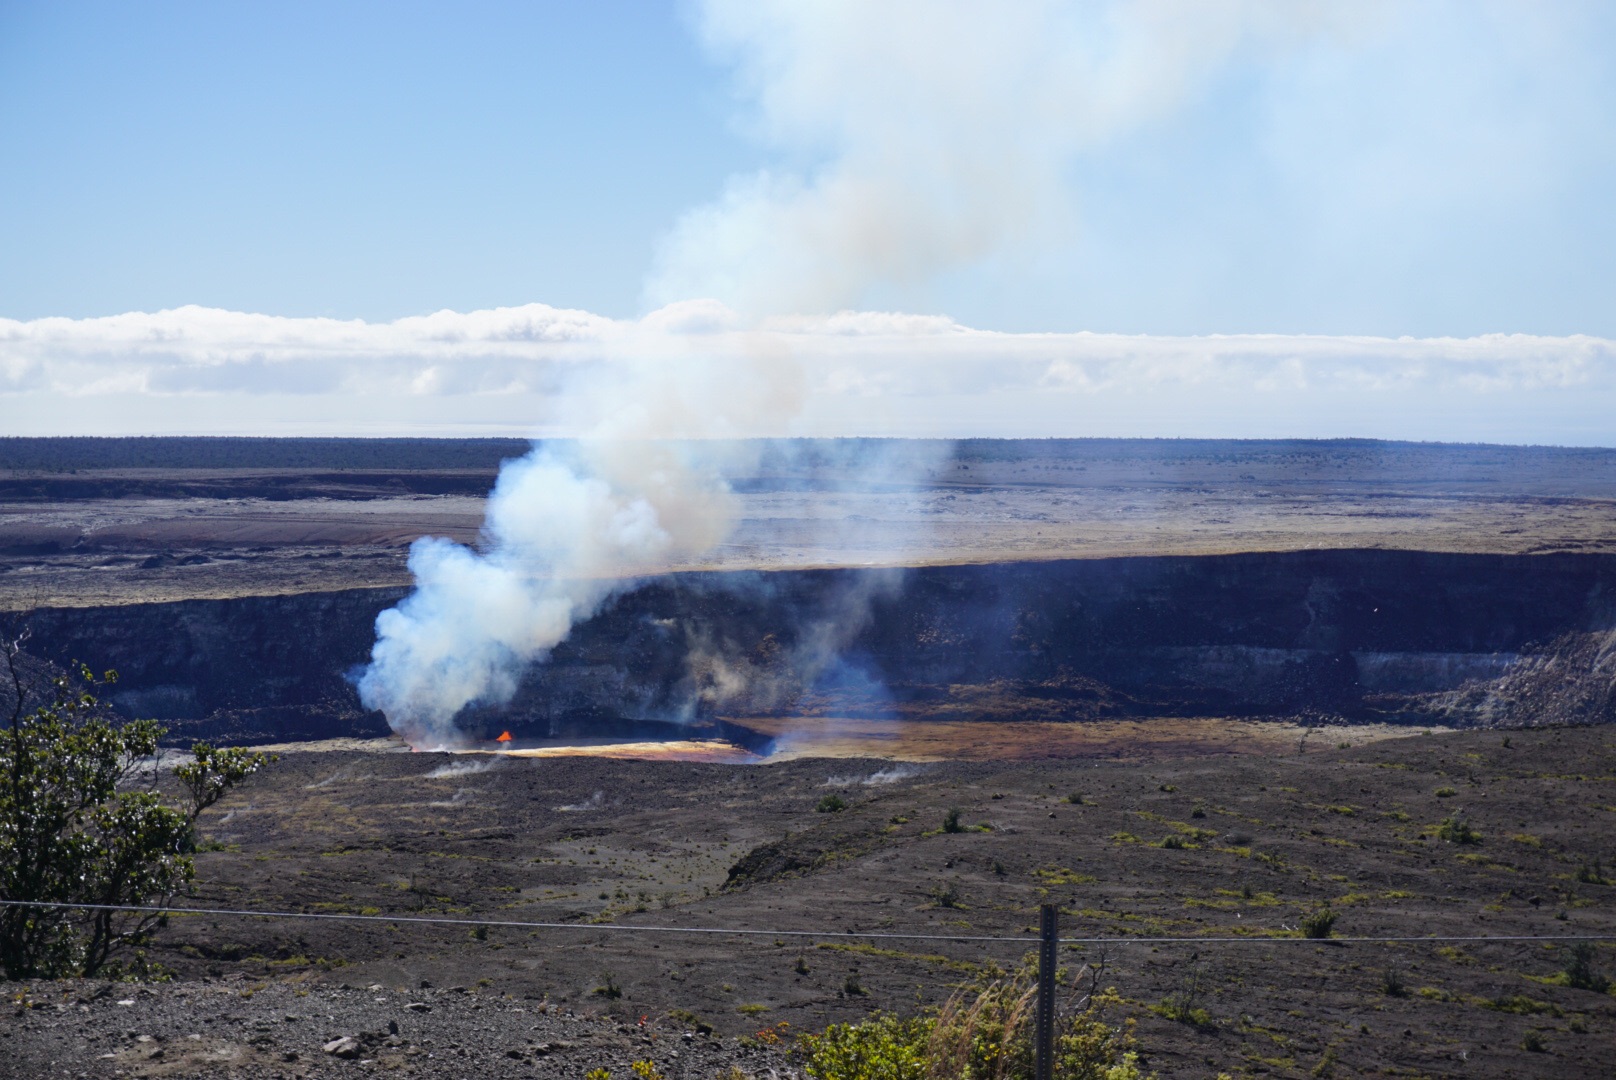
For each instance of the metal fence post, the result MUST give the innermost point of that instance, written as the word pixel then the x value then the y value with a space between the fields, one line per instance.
pixel 1048 941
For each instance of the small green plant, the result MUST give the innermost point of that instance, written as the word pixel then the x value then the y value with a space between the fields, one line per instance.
pixel 946 895
pixel 646 1070
pixel 831 803
pixel 751 1009
pixel 691 1021
pixel 852 987
pixel 951 821
pixel 1184 1003
pixel 1171 841
pixel 1456 830
pixel 1445 793
pixel 1579 969
pixel 1318 923
pixel 1075 798
pixel 608 988
pixel 1197 811
pixel 598 1074
pixel 1391 982
pixel 480 932
pixel 1592 873
pixel 801 967
pixel 1532 1042
pixel 1169 788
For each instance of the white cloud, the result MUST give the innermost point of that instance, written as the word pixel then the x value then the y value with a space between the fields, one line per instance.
pixel 697 369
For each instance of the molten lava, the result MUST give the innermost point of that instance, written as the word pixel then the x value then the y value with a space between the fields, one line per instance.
pixel 504 736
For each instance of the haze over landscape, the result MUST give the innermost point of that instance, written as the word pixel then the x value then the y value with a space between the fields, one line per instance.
pixel 1170 443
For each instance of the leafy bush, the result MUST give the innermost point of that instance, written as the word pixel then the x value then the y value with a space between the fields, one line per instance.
pixel 1319 923
pixel 830 804
pixel 1456 830
pixel 951 821
pixel 982 1034
pixel 691 1021
pixel 1445 793
pixel 1579 970
pixel 1391 982
pixel 1172 841
pixel 1184 1003
pixel 79 825
pixel 880 1048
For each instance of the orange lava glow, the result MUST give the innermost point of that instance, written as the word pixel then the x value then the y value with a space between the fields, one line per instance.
pixel 677 750
pixel 504 736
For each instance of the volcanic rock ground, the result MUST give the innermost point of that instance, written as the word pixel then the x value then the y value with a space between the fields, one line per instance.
pixel 1273 816
pixel 597 844
pixel 79 527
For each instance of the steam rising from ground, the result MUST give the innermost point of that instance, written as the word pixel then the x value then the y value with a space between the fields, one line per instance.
pixel 942 132
pixel 569 526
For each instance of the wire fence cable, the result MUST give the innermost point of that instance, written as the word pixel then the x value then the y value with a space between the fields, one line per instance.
pixel 887 935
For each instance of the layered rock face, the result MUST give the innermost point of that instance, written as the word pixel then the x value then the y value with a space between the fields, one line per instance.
pixel 1349 635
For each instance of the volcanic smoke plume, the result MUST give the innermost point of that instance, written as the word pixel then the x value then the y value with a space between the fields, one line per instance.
pixel 571 524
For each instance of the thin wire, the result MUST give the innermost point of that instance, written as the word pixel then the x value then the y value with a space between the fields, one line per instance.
pixel 880 935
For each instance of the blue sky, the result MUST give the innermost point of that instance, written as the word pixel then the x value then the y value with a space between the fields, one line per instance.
pixel 1352 172
pixel 352 159
pixel 1443 170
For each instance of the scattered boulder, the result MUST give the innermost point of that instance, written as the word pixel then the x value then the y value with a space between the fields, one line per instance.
pixel 345 1047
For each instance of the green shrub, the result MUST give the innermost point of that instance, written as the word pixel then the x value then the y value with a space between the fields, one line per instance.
pixel 1456 830
pixel 984 1033
pixel 1184 1003
pixel 691 1021
pixel 1172 841
pixel 1592 873
pixel 830 804
pixel 951 821
pixel 1319 923
pixel 880 1048
pixel 1579 970
pixel 80 825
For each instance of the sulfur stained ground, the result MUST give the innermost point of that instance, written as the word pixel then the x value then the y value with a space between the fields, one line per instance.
pixel 1255 843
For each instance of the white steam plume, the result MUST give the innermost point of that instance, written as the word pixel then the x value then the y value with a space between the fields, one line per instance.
pixel 942 131
pixel 567 528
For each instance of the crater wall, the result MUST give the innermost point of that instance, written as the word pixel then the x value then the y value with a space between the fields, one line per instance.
pixel 1353 635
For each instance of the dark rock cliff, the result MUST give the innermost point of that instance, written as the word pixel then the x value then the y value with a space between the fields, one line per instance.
pixel 1412 636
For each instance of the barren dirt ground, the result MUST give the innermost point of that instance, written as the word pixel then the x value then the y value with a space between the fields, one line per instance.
pixel 1257 842
pixel 130 535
